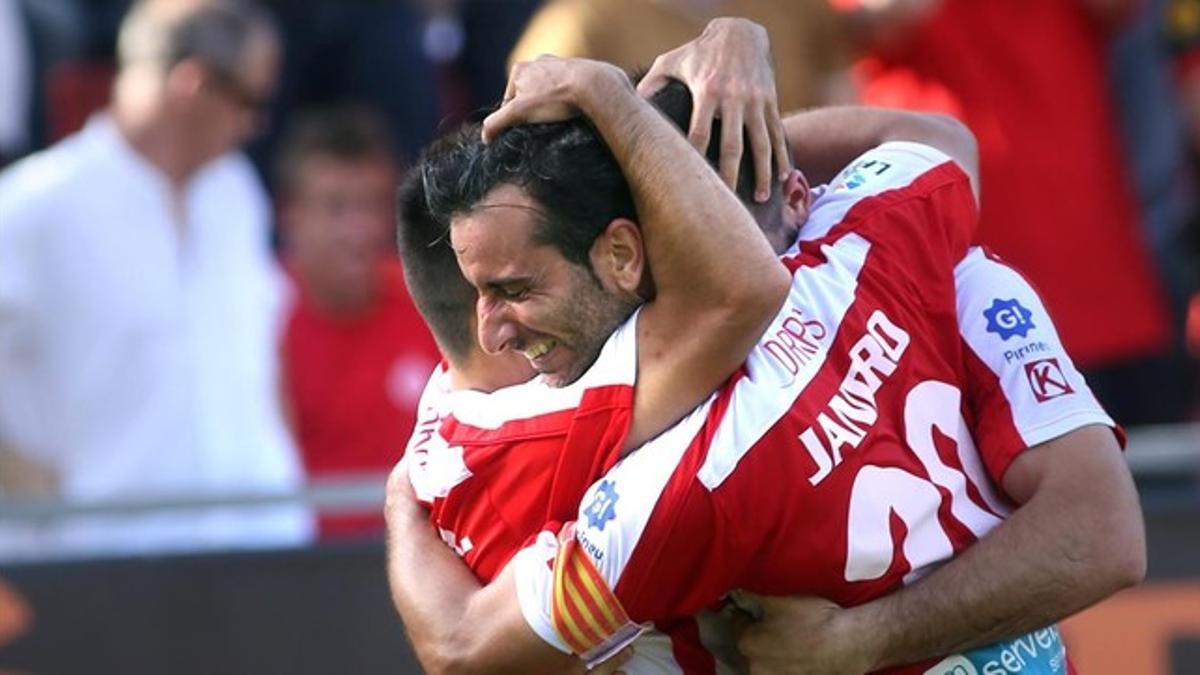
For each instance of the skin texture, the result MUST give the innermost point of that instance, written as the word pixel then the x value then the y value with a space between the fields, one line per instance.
pixel 531 299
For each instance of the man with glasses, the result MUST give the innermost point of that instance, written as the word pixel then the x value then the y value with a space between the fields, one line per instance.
pixel 138 300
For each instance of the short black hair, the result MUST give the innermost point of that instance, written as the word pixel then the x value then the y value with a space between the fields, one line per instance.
pixel 435 283
pixel 565 167
pixel 349 132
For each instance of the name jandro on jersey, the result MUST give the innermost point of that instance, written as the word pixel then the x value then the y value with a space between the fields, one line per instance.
pixel 851 412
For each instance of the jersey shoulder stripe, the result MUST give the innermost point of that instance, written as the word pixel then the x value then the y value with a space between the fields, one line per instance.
pixel 885 168
pixel 789 355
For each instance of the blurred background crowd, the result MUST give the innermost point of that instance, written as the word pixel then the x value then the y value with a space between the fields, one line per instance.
pixel 199 298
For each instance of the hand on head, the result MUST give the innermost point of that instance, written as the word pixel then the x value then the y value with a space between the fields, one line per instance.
pixel 546 89
pixel 729 72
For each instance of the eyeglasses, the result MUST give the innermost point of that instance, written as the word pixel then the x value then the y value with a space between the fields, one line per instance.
pixel 242 95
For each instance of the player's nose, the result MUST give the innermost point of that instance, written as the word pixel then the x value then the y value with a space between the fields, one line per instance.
pixel 497 330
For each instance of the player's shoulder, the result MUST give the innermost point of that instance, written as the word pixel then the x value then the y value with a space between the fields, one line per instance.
pixel 997 302
pixel 44 180
pixel 878 175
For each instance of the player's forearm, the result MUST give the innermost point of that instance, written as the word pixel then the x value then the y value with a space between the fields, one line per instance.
pixel 700 242
pixel 825 140
pixel 698 236
pixel 1077 540
pixel 431 589
pixel 458 626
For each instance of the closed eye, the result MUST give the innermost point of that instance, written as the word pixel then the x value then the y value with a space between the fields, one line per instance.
pixel 511 291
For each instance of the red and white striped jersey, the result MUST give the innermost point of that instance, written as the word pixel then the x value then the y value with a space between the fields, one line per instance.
pixel 827 466
pixel 493 468
pixel 508 468
pixel 1021 387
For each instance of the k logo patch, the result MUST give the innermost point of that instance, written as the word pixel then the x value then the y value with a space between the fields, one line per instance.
pixel 603 507
pixel 1007 318
pixel 1046 379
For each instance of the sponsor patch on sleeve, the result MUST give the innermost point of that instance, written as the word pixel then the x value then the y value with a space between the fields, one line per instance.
pixel 1047 380
pixel 1008 318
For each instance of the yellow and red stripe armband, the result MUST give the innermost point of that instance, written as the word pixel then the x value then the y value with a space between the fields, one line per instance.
pixel 585 612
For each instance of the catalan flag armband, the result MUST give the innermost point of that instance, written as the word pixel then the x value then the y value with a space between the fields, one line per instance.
pixel 585 612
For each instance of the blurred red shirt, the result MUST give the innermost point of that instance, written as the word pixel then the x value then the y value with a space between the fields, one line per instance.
pixel 1028 77
pixel 353 383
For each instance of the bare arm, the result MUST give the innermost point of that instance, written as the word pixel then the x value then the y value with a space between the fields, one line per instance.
pixel 1077 538
pixel 708 313
pixel 823 140
pixel 455 624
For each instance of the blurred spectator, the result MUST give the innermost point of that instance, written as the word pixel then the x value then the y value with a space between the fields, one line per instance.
pixel 1028 77
pixel 1156 144
pixel 469 40
pixel 16 69
pixel 1183 30
pixel 807 38
pixel 360 50
pixel 139 305
pixel 356 353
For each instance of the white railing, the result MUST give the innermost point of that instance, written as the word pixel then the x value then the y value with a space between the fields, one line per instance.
pixel 1152 452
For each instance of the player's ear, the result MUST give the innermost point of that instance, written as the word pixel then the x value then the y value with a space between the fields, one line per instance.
pixel 618 256
pixel 796 197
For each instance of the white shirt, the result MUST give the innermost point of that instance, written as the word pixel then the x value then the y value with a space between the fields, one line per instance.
pixel 138 355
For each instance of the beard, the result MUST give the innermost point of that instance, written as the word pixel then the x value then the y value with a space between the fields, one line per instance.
pixel 587 320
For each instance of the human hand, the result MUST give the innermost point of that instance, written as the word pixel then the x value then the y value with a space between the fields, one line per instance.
pixel 729 72
pixel 804 635
pixel 551 89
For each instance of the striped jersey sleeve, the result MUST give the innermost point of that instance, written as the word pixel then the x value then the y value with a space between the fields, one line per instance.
pixel 1021 386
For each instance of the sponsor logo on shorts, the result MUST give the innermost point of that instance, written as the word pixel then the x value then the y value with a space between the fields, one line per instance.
pixel 603 507
pixel 1008 318
pixel 1046 379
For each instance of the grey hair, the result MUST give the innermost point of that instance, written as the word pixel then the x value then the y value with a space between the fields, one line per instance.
pixel 162 33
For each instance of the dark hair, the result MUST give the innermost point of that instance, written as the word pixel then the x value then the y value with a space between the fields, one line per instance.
pixel 346 132
pixel 431 272
pixel 674 101
pixel 564 166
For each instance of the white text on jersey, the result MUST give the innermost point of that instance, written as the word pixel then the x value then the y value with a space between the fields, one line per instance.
pixel 852 411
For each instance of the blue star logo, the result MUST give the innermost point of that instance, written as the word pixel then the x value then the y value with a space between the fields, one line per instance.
pixel 1007 318
pixel 604 507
